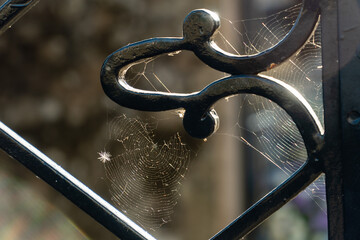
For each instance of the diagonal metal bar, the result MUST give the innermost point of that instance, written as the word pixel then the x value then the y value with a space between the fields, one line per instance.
pixel 272 202
pixel 13 10
pixel 69 186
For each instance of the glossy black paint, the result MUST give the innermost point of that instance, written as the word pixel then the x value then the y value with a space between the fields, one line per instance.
pixel 198 30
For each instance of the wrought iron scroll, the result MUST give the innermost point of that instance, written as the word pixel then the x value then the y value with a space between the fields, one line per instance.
pixel 200 119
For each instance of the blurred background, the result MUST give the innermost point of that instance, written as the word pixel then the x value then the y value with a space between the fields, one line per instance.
pixel 51 95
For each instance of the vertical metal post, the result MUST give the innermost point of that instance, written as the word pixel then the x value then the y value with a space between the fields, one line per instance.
pixel 349 61
pixel 331 93
pixel 341 77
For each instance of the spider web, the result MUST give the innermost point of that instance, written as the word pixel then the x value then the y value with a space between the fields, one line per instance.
pixel 269 130
pixel 146 176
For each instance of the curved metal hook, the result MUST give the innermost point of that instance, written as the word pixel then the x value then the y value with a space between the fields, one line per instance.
pixel 199 27
pixel 201 121
pixel 198 30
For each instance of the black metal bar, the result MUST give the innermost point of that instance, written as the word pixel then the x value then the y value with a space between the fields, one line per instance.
pixel 333 139
pixel 273 201
pixel 69 186
pixel 349 62
pixel 49 171
pixel 13 10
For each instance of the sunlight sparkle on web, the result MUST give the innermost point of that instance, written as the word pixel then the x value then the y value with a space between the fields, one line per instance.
pixel 269 131
pixel 145 176
pixel 104 156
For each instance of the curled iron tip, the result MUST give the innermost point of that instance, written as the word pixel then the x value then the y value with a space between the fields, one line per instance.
pixel 199 28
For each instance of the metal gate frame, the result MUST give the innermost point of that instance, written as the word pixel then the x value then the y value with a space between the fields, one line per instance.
pixel 333 151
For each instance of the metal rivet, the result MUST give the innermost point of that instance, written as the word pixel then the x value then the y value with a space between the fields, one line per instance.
pixel 353 118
